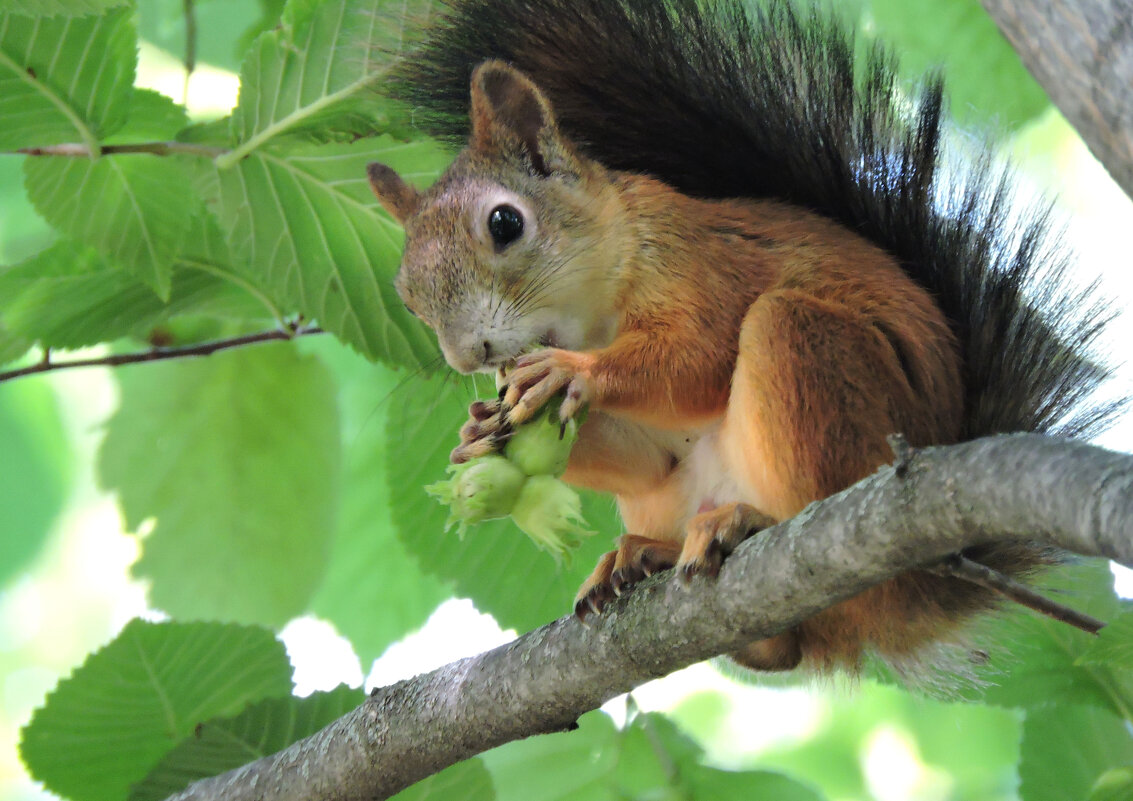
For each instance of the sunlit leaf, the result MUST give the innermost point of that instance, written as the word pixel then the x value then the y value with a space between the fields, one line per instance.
pixel 70 8
pixel 236 457
pixel 70 296
pixel 1114 645
pixel 135 208
pixel 306 224
pixel 111 721
pixel 222 744
pixel 1066 750
pixel 318 71
pixel 373 591
pixel 64 79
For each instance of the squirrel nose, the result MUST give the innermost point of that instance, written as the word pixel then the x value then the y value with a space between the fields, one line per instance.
pixel 468 357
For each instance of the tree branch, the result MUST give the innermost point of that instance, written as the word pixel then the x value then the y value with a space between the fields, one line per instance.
pixel 1020 487
pixel 78 150
pixel 159 354
pixel 1081 51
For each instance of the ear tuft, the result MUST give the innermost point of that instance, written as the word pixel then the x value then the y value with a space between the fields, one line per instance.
pixel 510 115
pixel 397 197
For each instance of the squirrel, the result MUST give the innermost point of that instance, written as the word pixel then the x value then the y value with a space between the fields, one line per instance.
pixel 731 235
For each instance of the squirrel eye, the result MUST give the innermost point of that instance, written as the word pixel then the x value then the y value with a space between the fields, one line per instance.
pixel 505 224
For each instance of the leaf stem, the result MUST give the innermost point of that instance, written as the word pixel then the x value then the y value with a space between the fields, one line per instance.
pixel 88 136
pixel 160 354
pixel 84 150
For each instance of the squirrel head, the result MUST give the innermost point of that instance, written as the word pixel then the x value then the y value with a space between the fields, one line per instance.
pixel 513 247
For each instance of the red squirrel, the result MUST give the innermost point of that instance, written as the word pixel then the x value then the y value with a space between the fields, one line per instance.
pixel 729 239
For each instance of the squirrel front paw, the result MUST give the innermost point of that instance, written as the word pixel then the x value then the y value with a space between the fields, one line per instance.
pixel 486 431
pixel 541 375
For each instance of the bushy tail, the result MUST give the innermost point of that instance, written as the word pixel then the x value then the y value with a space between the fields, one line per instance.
pixel 783 102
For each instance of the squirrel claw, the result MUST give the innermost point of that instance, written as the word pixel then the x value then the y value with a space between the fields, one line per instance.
pixel 541 375
pixel 714 534
pixel 622 579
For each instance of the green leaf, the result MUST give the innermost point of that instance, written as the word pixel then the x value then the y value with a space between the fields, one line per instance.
pixel 153 116
pixel 1115 784
pixel 305 222
pixel 34 473
pixel 373 590
pixel 316 73
pixel 136 209
pixel 1114 645
pixel 1035 659
pixel 237 458
pixel 648 759
pixel 69 296
pixel 495 564
pixel 466 781
pixel 70 8
pixel 12 346
pixel 107 725
pixel 220 41
pixel 65 79
pixel 272 725
pixel 986 79
pixel 1067 749
pixel 223 744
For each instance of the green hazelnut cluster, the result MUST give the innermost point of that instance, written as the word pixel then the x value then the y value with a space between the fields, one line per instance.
pixel 522 483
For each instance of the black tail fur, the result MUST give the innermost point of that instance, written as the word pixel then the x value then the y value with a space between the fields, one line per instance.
pixel 780 102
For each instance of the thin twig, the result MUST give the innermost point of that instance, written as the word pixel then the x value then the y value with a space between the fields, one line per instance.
pixel 159 354
pixel 961 567
pixel 78 150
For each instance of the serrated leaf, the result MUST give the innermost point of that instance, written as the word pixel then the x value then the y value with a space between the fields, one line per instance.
pixel 985 77
pixel 237 458
pixel 1114 645
pixel 69 296
pixel 373 590
pixel 1037 657
pixel 111 721
pixel 1067 749
pixel 153 116
pixel 222 744
pixel 316 73
pixel 307 226
pixel 64 79
pixel 47 8
pixel 270 726
pixel 495 564
pixel 135 209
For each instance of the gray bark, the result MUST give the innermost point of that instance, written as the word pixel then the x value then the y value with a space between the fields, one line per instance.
pixel 1081 51
pixel 1020 487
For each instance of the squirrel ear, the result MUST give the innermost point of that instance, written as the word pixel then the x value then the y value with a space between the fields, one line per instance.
pixel 397 197
pixel 509 113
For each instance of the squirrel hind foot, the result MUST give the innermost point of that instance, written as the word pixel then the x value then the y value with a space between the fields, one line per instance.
pixel 635 559
pixel 714 534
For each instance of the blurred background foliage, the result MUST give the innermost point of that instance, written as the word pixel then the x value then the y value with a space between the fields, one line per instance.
pixel 276 489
